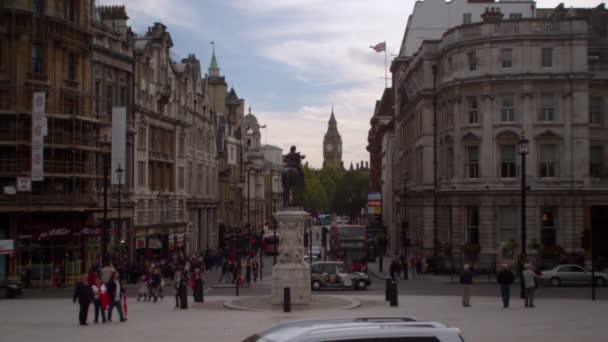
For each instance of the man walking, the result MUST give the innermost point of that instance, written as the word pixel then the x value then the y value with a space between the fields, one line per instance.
pixel 116 291
pixel 466 279
pixel 505 278
pixel 530 285
pixel 84 294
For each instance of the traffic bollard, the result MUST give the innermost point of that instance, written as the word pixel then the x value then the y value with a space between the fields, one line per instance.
pixel 387 289
pixel 394 294
pixel 287 299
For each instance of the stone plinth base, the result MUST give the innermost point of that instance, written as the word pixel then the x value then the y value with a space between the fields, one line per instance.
pixel 291 270
pixel 294 276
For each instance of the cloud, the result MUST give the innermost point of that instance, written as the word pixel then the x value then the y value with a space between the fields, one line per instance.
pixel 174 13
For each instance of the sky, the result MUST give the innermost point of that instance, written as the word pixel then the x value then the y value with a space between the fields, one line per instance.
pixel 291 60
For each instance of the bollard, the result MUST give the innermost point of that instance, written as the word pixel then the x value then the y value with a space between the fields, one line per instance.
pixel 287 299
pixel 183 297
pixel 394 294
pixel 387 290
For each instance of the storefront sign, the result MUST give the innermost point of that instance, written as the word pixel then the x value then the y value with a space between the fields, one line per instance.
pixel 140 243
pixel 154 244
pixel 38 136
pixel 374 203
pixel 7 247
pixel 24 184
pixel 55 233
pixel 90 232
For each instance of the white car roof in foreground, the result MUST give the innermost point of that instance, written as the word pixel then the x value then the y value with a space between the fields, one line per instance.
pixel 346 329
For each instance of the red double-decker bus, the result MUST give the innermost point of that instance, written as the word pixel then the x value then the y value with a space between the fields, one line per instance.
pixel 348 243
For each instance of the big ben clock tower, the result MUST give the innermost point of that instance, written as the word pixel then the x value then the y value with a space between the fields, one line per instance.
pixel 332 144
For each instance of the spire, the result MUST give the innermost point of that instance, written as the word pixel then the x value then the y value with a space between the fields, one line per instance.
pixel 332 118
pixel 214 68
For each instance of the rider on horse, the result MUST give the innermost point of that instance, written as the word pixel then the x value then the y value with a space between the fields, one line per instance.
pixel 293 177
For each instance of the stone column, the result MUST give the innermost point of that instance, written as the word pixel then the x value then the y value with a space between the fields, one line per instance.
pixel 291 270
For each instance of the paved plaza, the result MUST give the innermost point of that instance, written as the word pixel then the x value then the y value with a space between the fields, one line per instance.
pixel 55 319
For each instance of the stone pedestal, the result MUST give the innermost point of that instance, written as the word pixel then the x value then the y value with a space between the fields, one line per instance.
pixel 291 270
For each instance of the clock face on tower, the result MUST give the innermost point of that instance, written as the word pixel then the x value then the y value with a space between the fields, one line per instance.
pixel 329 147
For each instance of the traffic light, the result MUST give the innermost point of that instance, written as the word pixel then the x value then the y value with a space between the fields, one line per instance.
pixel 586 239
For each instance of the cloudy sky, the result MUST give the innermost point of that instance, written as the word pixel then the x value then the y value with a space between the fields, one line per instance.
pixel 291 60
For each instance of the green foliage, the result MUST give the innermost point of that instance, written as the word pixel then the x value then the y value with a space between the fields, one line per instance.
pixel 334 190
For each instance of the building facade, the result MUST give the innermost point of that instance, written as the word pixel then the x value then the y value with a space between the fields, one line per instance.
pixel 463 104
pixel 332 144
pixel 176 197
pixel 45 46
pixel 273 185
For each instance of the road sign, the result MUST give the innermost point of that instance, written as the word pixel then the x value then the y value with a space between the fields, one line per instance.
pixel 24 184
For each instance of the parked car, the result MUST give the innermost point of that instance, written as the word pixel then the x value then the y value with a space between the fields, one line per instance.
pixel 335 274
pixel 10 289
pixel 359 329
pixel 571 274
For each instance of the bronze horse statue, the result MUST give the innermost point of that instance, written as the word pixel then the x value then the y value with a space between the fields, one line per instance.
pixel 293 177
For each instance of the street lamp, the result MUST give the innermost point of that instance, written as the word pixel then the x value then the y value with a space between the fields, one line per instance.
pixel 104 144
pixel 404 227
pixel 523 148
pixel 119 172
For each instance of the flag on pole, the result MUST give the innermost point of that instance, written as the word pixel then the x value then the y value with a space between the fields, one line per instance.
pixel 379 47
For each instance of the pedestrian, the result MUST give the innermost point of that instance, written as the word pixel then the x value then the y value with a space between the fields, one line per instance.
pixel 101 298
pixel 254 267
pixel 179 285
pixel 224 271
pixel 413 267
pixel 466 279
pixel 154 283
pixel 161 284
pixel 142 287
pixel 197 285
pixel 505 278
pixel 106 272
pixel 530 285
pixel 116 292
pixel 26 276
pixel 84 294
pixel 419 267
pixel 394 268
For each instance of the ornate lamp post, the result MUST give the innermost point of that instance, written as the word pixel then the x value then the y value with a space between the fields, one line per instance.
pixel 119 172
pixel 523 148
pixel 404 224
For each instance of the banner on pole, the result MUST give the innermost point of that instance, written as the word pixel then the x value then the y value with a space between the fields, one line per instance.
pixel 119 142
pixel 38 127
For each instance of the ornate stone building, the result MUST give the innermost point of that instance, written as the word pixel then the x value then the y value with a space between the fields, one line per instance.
pixel 332 144
pixel 112 86
pixel 254 202
pixel 176 195
pixel 462 105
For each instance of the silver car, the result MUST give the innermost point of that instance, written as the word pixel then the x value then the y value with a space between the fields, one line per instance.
pixel 359 330
pixel 571 274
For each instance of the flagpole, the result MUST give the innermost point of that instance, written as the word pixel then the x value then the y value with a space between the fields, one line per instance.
pixel 385 67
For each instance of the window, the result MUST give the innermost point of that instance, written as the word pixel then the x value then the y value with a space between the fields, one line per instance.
pixel 466 18
pixel 595 110
pixel 546 59
pixel 141 139
pixel 472 225
pixel 109 98
pixel 472 107
pixel 506 57
pixel 141 173
pixel 450 163
pixel 38 7
pixel 180 178
pixel 72 61
pixel 507 111
pixel 595 161
pixel 71 10
pixel 515 16
pixel 547 161
pixel 180 146
pixel 473 161
pixel 507 225
pixel 547 107
pixel 199 178
pixel 472 57
pixel 122 96
pixel 37 58
pixel 548 226
pixel 450 113
pixel 507 161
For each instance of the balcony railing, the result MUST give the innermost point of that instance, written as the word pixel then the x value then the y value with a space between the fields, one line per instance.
pixel 598 67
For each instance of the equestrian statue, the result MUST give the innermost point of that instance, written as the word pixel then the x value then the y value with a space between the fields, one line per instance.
pixel 293 177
